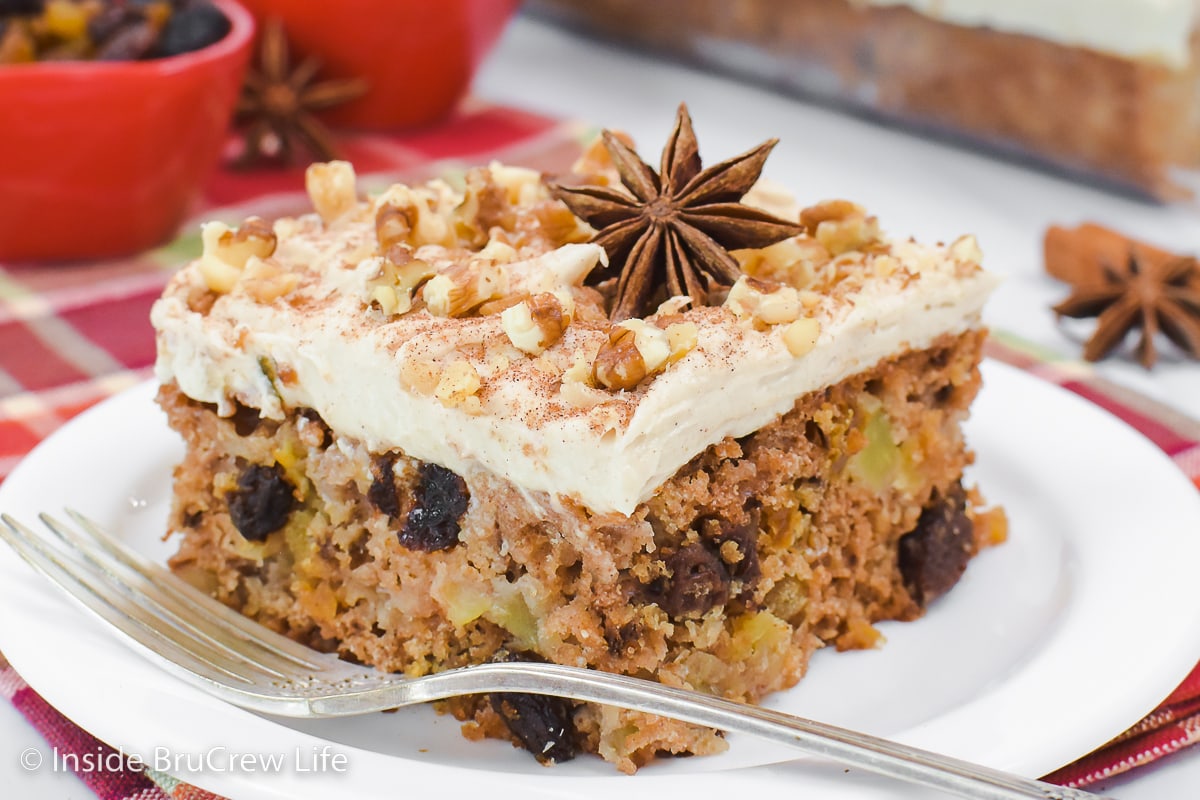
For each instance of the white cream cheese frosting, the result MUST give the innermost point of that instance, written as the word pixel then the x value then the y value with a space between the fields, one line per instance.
pixel 384 379
pixel 1153 30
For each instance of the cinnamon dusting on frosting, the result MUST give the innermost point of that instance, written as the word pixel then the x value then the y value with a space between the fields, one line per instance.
pixel 805 317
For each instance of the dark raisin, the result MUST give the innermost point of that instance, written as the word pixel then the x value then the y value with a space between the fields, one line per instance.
pixel 108 21
pixel 747 568
pixel 191 29
pixel 543 724
pixel 262 503
pixel 441 499
pixel 698 582
pixel 622 638
pixel 245 419
pixel 129 43
pixel 383 494
pixel 934 555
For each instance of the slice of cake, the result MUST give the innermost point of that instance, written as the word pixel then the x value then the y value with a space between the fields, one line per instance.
pixel 642 424
pixel 1109 89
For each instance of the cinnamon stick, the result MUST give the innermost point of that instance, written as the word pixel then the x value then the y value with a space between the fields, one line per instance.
pixel 1077 255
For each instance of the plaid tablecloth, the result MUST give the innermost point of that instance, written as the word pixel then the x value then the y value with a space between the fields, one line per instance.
pixel 73 335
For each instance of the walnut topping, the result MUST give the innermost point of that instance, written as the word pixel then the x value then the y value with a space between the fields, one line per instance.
pixel 391 300
pixel 619 364
pixel 965 250
pixel 792 262
pixel 462 288
pixel 521 186
pixel 398 275
pixel 763 302
pixel 884 266
pixel 458 386
pixel 266 281
pixel 533 325
pixel 827 211
pixel 801 336
pixel 416 216
pixel 394 225
pixel 841 226
pixel 577 385
pixel 227 251
pixel 634 349
pixel 681 338
pixel 331 187
pixel 420 375
pixel 498 251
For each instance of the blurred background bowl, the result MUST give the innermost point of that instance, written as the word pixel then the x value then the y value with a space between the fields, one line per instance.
pixel 102 159
pixel 417 56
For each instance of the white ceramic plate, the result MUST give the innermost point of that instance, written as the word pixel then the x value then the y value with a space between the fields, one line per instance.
pixel 1049 646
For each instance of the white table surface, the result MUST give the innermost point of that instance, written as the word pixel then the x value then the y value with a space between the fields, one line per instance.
pixel 916 187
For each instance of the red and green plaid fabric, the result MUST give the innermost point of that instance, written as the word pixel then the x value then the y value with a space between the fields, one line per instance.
pixel 73 335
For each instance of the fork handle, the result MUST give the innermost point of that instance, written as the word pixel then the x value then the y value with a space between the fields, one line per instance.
pixel 881 756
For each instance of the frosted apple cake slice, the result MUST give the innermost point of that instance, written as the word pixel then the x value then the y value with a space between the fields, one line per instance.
pixel 643 425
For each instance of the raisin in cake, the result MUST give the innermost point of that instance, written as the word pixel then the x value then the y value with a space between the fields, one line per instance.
pixel 419 435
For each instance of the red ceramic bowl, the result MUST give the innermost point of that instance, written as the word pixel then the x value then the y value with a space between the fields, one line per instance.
pixel 418 56
pixel 102 159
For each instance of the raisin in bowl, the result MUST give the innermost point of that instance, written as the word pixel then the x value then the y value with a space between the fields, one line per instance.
pixel 103 158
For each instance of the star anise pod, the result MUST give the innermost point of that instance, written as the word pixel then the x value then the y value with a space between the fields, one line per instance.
pixel 1153 295
pixel 675 228
pixel 278 102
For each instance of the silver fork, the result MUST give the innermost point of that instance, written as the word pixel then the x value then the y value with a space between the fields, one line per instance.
pixel 225 654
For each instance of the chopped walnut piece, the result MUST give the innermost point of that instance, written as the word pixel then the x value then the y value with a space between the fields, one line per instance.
pixel 522 186
pixel 420 375
pixel 791 262
pixel 408 274
pixel 828 211
pixel 254 237
pixel 425 210
pixel 619 364
pixel 394 225
pixel 462 288
pixel 681 338
pixel 801 336
pixel 398 275
pixel 884 266
pixel 498 251
pixel 577 389
pixel 226 251
pixel 634 349
pixel 841 226
pixel 965 250
pixel 331 188
pixel 391 299
pixel 266 281
pixel 763 302
pixel 458 386
pixel 533 325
